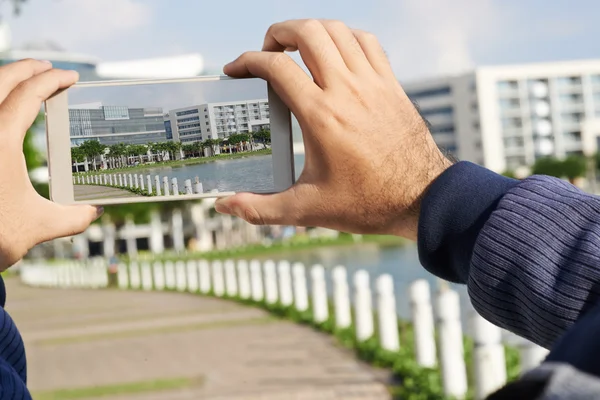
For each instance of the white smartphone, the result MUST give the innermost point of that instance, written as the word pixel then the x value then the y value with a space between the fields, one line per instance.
pixel 115 142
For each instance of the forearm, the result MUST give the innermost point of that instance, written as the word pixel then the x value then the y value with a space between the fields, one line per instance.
pixel 530 258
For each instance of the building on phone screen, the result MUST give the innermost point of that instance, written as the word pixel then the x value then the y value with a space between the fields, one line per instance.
pixel 218 120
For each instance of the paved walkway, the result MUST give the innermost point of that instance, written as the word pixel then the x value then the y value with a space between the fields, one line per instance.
pixel 87 338
pixel 93 192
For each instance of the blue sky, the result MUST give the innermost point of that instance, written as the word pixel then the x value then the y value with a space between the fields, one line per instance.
pixel 421 37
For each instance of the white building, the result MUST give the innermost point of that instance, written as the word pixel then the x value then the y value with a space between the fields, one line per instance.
pixel 505 117
pixel 217 120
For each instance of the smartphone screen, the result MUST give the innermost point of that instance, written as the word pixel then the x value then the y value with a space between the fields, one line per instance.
pixel 170 138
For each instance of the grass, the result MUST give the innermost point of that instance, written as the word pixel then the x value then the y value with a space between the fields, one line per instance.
pixel 298 243
pixel 184 162
pixel 119 389
pixel 155 331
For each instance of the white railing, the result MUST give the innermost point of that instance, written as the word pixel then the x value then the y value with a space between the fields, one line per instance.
pixel 287 285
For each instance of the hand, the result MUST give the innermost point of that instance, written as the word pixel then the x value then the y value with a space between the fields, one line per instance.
pixel 26 218
pixel 369 156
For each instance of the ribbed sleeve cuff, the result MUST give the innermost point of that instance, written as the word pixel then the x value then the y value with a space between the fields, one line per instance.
pixel 453 211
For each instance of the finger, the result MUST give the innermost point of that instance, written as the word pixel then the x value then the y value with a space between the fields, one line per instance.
pixel 273 209
pixel 55 221
pixel 348 46
pixel 290 82
pixel 317 49
pixel 22 105
pixel 374 52
pixel 14 73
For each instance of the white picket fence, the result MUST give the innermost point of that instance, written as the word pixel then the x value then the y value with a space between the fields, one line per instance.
pixel 153 186
pixel 288 285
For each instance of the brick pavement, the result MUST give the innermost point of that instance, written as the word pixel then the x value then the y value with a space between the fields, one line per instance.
pixel 83 338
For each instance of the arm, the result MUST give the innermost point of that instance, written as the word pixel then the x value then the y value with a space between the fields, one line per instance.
pixel 528 250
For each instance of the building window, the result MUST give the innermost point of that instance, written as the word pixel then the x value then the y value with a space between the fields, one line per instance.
pixel 115 113
pixel 187 112
pixel 513 142
pixel 441 111
pixel 507 85
pixel 512 123
pixel 444 91
pixel 568 81
pixel 509 104
pixel 188 119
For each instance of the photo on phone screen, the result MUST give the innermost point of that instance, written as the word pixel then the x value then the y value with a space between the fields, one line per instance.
pixel 170 138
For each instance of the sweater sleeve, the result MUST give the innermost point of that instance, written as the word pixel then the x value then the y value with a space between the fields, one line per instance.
pixel 528 250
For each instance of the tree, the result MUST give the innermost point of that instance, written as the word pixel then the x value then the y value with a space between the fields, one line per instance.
pixel 550 166
pixel 212 144
pixel 263 136
pixel 574 167
pixel 188 149
pixel 92 149
pixel 77 156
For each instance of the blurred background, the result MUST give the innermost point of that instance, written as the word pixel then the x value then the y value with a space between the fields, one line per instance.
pixel 513 86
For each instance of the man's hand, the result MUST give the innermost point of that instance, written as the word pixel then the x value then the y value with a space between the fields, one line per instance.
pixel 26 218
pixel 369 156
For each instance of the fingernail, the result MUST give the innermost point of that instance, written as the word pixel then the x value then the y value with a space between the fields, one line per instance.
pixel 46 61
pixel 222 208
pixel 99 212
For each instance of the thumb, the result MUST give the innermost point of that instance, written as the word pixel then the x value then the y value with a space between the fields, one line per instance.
pixel 61 221
pixel 258 209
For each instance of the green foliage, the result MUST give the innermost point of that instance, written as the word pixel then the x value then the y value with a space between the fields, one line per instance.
pixel 509 174
pixel 33 158
pixel 550 166
pixel 238 138
pixel 574 167
pixel 571 167
pixel 263 136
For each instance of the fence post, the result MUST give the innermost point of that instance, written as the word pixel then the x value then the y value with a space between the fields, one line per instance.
pixel 192 276
pixel 136 184
pixel 256 281
pixel 170 280
pixel 157 241
pixel 423 323
pixel 157 182
pixel 363 306
pixel 230 278
pixel 204 270
pixel 180 276
pixel 166 185
pixel 532 355
pixel 285 284
pixel 270 282
pixel 130 181
pixel 244 279
pixel 142 182
pixel 121 180
pixel 149 184
pixel 177 230
pixel 146 276
pixel 452 361
pixel 122 277
pixel 110 180
pixel 158 276
pixel 489 362
pixel 134 275
pixel 341 298
pixel 319 294
pixel 175 187
pixel 188 186
pixel 386 313
pixel 300 290
pixel 198 186
pixel 217 275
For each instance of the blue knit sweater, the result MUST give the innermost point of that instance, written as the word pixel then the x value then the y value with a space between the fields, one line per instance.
pixel 529 252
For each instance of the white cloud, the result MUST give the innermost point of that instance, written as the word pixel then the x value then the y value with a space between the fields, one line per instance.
pixel 77 24
pixel 433 37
